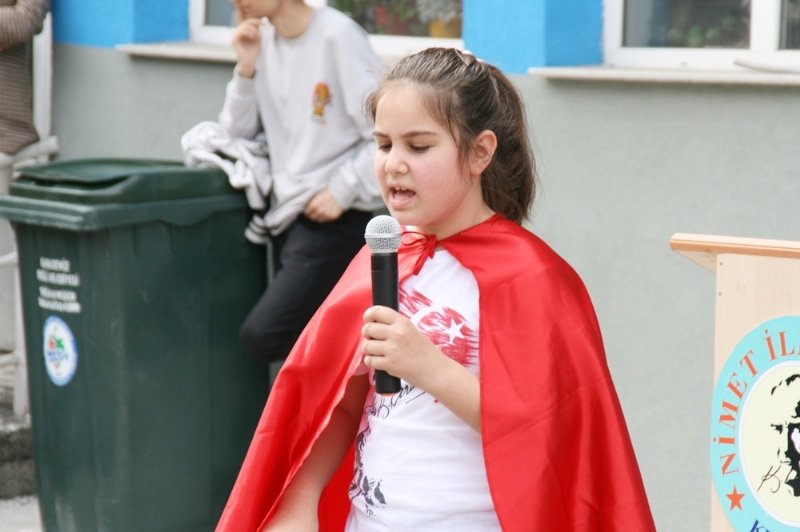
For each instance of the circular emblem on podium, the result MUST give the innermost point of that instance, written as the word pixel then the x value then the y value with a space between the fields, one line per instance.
pixel 755 429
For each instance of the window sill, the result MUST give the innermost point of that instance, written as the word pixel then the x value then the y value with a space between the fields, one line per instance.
pixel 763 76
pixel 181 50
pixel 389 49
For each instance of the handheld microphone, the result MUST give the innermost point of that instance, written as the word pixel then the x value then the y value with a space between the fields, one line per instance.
pixel 383 238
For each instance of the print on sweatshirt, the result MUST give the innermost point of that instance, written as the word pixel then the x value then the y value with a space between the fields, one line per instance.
pixel 320 100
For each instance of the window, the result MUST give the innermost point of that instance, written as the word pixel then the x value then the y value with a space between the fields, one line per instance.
pixel 396 27
pixel 703 33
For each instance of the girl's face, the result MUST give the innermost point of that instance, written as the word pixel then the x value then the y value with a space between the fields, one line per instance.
pixel 421 177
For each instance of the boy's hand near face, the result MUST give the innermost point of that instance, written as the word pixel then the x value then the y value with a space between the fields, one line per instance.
pixel 246 42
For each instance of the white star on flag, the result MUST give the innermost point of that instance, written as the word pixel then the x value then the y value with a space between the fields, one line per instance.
pixel 455 330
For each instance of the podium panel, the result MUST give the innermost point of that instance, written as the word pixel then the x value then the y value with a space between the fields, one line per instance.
pixel 757 283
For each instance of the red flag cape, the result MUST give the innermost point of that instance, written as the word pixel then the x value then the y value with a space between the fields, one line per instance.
pixel 557 450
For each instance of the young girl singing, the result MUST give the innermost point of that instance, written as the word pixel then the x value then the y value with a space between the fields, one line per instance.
pixel 507 417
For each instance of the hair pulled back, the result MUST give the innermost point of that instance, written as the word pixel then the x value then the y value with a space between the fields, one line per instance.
pixel 469 96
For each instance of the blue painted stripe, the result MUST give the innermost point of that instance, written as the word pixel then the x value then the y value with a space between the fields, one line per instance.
pixel 512 34
pixel 518 34
pixel 574 33
pixel 107 23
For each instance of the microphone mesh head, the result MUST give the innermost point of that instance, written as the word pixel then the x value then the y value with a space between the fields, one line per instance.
pixel 383 234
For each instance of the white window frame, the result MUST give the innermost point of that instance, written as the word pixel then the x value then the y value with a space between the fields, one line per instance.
pixel 387 46
pixel 763 52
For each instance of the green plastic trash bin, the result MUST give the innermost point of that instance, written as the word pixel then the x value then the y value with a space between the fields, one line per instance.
pixel 136 277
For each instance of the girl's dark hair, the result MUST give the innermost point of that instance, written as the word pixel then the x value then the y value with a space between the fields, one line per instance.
pixel 468 96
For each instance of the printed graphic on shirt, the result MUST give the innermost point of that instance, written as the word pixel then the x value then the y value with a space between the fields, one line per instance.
pixel 446 329
pixel 320 100
pixel 362 487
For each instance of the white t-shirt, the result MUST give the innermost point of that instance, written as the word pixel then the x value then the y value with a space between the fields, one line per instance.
pixel 418 466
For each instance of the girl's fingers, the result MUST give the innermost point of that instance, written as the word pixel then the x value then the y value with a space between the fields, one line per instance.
pixel 380 314
pixel 374 330
pixel 365 330
pixel 373 348
pixel 373 361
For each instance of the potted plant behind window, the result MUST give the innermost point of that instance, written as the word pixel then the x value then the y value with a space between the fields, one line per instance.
pixel 383 17
pixel 718 24
pixel 442 16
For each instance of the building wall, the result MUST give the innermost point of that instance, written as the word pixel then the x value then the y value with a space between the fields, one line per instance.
pixel 106 102
pixel 622 166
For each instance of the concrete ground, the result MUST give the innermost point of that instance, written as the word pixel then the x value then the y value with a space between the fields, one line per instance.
pixel 20 514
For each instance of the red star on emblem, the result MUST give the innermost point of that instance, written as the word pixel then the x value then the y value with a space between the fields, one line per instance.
pixel 735 498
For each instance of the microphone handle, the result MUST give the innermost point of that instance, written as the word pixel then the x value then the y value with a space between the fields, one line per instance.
pixel 384 293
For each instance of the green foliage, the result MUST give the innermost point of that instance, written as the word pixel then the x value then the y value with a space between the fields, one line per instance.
pixel 444 10
pixel 718 23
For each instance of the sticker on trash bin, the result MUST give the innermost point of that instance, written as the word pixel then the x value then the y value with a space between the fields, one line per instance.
pixel 60 351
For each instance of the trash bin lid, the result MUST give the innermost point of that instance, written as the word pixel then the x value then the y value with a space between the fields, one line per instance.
pixel 91 194
pixel 92 181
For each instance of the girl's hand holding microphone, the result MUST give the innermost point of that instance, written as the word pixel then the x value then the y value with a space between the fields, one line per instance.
pixel 393 344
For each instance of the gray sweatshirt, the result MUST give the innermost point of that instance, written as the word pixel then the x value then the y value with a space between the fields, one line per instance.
pixel 308 97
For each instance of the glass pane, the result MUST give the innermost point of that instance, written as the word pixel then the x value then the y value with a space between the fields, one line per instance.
pixel 688 23
pixel 790 20
pixel 416 18
pixel 220 13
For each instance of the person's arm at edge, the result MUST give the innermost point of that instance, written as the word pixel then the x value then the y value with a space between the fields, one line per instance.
pixel 21 21
pixel 301 498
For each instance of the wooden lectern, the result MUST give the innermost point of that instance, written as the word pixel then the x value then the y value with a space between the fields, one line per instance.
pixel 757 280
